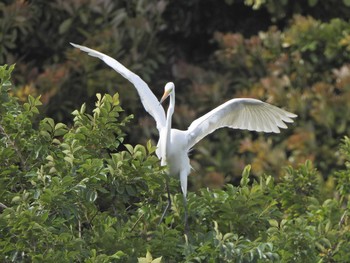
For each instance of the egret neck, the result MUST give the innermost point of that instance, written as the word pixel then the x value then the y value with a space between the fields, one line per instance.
pixel 170 113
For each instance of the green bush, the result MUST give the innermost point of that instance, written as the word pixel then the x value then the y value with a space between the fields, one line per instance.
pixel 77 191
pixel 79 194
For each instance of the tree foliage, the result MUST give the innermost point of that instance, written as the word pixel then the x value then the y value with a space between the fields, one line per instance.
pixel 80 194
pixel 85 186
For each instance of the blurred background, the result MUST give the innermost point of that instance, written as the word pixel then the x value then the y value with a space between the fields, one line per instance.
pixel 293 54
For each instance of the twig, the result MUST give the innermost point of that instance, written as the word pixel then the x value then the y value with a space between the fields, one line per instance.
pixel 2 206
pixel 137 221
pixel 342 219
pixel 79 228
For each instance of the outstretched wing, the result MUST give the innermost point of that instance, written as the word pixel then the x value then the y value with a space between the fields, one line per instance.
pixel 245 114
pixel 148 99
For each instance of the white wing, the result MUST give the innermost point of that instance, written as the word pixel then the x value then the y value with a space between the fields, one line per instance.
pixel 148 99
pixel 246 114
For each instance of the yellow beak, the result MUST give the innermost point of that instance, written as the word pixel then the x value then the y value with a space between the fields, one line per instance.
pixel 165 95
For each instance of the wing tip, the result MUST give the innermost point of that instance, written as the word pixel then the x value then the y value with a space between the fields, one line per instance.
pixel 89 51
pixel 292 115
pixel 76 45
pixel 82 48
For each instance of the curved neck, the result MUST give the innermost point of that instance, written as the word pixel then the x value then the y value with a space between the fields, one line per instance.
pixel 170 113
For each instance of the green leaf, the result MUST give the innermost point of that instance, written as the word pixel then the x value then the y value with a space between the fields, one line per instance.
pixel 129 148
pixel 16 199
pixel 31 100
pixel 37 101
pixel 118 255
pixel 148 256
pixel 312 3
pixel 346 2
pixel 140 148
pixel 245 176
pixel 60 126
pixel 91 196
pixel 60 132
pixel 50 121
pixel 82 109
pixel 65 25
pixel 46 135
pixel 273 223
pixel 157 260
pixel 26 106
pixel 69 159
pixel 227 236
pixel 35 110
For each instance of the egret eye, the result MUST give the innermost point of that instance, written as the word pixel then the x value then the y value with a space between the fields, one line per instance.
pixel 169 87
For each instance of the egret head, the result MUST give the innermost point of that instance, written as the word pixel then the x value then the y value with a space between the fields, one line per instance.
pixel 168 89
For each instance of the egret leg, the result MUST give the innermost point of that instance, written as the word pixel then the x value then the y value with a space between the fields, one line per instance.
pixel 183 179
pixel 167 207
pixel 187 228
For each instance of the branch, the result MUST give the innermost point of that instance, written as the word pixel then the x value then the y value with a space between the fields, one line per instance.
pixel 12 143
pixel 2 206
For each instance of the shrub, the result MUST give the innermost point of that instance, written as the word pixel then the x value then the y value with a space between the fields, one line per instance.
pixel 81 194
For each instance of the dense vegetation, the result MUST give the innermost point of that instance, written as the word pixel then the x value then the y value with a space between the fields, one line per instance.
pixel 87 187
pixel 80 194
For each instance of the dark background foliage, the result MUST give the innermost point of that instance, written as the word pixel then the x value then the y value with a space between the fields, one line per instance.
pixel 293 54
pixel 212 50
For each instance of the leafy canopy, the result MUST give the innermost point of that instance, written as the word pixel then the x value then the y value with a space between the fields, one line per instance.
pixel 79 194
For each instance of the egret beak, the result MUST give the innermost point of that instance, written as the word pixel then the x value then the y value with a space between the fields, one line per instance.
pixel 165 95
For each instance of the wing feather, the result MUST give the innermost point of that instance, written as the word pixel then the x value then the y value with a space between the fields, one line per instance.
pixel 278 117
pixel 246 114
pixel 148 99
pixel 271 122
pixel 266 122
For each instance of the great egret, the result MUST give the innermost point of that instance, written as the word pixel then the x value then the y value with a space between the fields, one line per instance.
pixel 173 145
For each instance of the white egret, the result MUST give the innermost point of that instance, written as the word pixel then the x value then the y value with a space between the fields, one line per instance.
pixel 173 145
